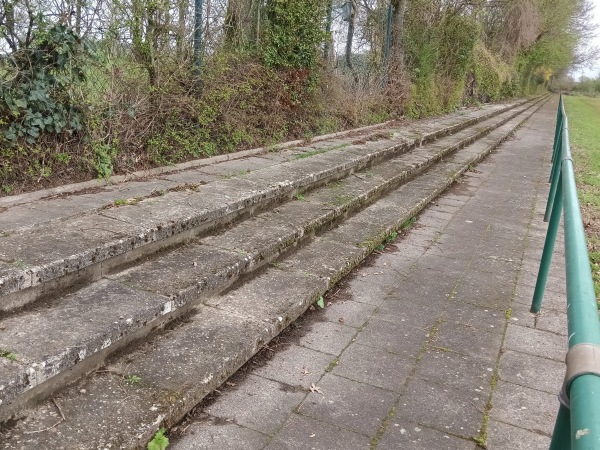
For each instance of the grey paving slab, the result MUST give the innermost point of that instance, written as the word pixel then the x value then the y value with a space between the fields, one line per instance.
pixel 532 371
pixel 355 406
pixel 326 337
pixel 469 341
pixel 257 403
pixel 295 366
pixel 487 319
pixel 408 341
pixel 406 435
pixel 374 366
pixel 222 436
pixel 442 407
pixel 503 436
pixel 447 368
pixel 546 320
pixel 301 432
pixel 536 342
pixel 524 407
pixel 348 312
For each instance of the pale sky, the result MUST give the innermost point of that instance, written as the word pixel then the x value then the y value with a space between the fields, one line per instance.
pixel 595 70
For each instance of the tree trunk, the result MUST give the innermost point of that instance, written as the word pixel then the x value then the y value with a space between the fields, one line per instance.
pixel 350 38
pixel 397 47
pixel 239 23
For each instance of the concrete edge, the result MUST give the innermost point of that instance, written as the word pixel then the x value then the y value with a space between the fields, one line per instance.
pixel 27 197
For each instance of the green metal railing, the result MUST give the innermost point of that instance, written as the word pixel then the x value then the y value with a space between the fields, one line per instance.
pixel 578 422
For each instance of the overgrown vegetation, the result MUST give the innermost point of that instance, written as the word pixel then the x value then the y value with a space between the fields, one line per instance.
pixel 92 89
pixel 584 133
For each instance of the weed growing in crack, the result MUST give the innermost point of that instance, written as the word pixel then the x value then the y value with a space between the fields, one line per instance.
pixel 159 441
pixel 8 355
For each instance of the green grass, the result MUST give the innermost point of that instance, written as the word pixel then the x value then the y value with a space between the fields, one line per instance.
pixel 584 135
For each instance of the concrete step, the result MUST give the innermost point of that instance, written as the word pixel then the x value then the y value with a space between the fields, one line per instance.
pixel 128 304
pixel 46 258
pixel 158 381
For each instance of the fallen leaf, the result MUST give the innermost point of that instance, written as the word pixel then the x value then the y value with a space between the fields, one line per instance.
pixel 321 302
pixel 341 320
pixel 314 388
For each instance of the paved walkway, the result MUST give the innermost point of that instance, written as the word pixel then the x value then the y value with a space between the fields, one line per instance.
pixel 429 345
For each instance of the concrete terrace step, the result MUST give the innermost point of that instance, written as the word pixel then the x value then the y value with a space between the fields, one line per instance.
pixel 125 304
pixel 36 261
pixel 194 355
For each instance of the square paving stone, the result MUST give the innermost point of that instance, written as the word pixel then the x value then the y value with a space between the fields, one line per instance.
pixel 326 337
pixel 257 403
pixel 348 312
pixel 210 436
pixel 547 319
pixel 550 300
pixel 442 407
pixel 502 436
pixel 416 312
pixel 394 337
pixel 459 371
pixel 532 371
pixel 469 341
pixel 349 404
pixel 524 407
pixel 483 292
pixel 296 366
pixel 301 433
pixel 487 319
pixel 365 291
pixel 405 435
pixel 536 342
pixel 374 366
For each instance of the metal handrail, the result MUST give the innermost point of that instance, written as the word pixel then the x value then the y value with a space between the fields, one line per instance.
pixel 578 421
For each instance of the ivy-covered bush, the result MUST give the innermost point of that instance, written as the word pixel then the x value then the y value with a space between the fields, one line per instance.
pixel 38 90
pixel 294 34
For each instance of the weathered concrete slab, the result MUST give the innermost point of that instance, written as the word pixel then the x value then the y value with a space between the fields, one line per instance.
pixel 301 431
pixel 404 434
pixel 259 404
pixel 524 407
pixel 225 436
pixel 408 342
pixel 502 436
pixel 355 406
pixel 295 366
pixel 443 408
pixel 532 371
pixel 49 341
pixel 373 366
pixel 193 359
pixel 276 297
pixel 187 273
pixel 536 342
pixel 446 367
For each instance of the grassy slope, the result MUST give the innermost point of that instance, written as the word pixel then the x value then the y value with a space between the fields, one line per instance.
pixel 584 133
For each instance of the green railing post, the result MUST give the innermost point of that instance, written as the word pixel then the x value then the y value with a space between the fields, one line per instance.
pixel 561 436
pixel 542 278
pixel 557 147
pixel 556 160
